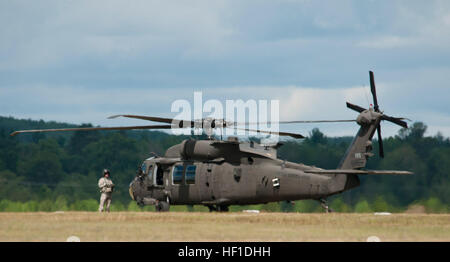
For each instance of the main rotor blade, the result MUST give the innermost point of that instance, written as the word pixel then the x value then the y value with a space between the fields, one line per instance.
pixel 316 121
pixel 290 122
pixel 355 107
pixel 395 120
pixel 380 141
pixel 374 91
pixel 272 133
pixel 187 123
pixel 92 128
pixel 149 118
pixel 180 123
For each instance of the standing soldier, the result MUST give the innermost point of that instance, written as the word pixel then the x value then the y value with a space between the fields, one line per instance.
pixel 106 188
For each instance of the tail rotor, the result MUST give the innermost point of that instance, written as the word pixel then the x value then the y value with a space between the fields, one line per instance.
pixel 396 120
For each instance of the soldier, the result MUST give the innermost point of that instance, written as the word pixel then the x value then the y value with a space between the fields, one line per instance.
pixel 106 188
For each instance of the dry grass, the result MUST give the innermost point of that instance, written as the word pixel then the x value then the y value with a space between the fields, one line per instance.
pixel 178 226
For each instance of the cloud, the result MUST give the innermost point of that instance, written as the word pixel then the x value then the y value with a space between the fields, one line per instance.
pixel 388 42
pixel 77 60
pixel 81 105
pixel 69 29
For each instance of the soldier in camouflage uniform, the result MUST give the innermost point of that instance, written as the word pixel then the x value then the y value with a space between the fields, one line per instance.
pixel 106 188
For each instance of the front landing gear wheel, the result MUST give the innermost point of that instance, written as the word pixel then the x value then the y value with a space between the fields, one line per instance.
pixel 162 206
pixel 218 208
pixel 324 204
pixel 211 208
pixel 222 208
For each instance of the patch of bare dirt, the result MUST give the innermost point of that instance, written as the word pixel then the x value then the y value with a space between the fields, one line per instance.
pixel 416 209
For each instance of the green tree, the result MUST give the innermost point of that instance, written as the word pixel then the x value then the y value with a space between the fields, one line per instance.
pixel 133 206
pixel 286 206
pixel 407 189
pixel 9 152
pixel 316 137
pixel 44 165
pixel 380 205
pixel 85 205
pixel 81 139
pixel 46 205
pixel 31 206
pixel 362 207
pixel 118 206
pixel 439 173
pixel 13 187
pixel 271 207
pixel 307 206
pixel 340 206
pixel 414 132
pixel 434 205
pixel 60 203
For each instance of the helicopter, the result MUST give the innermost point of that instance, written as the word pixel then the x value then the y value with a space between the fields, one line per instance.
pixel 219 173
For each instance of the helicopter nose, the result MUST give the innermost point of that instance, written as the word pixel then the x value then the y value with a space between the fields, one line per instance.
pixel 131 191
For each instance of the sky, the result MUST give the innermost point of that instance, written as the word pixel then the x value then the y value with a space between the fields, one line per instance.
pixel 82 61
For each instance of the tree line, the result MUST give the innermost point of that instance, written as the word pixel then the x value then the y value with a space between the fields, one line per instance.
pixel 59 171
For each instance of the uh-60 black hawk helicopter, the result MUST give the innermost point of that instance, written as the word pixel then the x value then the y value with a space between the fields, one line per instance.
pixel 218 173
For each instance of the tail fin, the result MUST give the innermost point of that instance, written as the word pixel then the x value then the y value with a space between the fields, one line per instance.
pixel 359 150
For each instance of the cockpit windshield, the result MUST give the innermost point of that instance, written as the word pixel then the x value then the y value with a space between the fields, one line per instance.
pixel 144 168
pixel 147 170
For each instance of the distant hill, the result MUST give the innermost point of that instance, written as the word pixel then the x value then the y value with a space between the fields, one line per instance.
pixel 10 124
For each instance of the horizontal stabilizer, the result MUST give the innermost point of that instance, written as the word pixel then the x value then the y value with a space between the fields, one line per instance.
pixel 359 172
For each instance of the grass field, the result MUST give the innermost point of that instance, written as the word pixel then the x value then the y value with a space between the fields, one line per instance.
pixel 233 226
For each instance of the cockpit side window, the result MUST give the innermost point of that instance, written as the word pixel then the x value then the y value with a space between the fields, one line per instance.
pixel 177 175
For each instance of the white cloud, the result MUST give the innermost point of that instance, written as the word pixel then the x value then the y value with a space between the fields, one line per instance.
pixel 388 42
pixel 80 105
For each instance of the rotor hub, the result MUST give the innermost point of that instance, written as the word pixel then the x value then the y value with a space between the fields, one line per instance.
pixel 367 117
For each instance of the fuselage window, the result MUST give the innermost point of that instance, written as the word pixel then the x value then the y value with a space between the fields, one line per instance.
pixel 190 174
pixel 144 168
pixel 177 175
pixel 159 176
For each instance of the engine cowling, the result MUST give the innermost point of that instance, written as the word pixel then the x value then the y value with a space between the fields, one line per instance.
pixel 199 150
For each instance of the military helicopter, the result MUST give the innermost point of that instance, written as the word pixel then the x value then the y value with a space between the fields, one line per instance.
pixel 218 173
